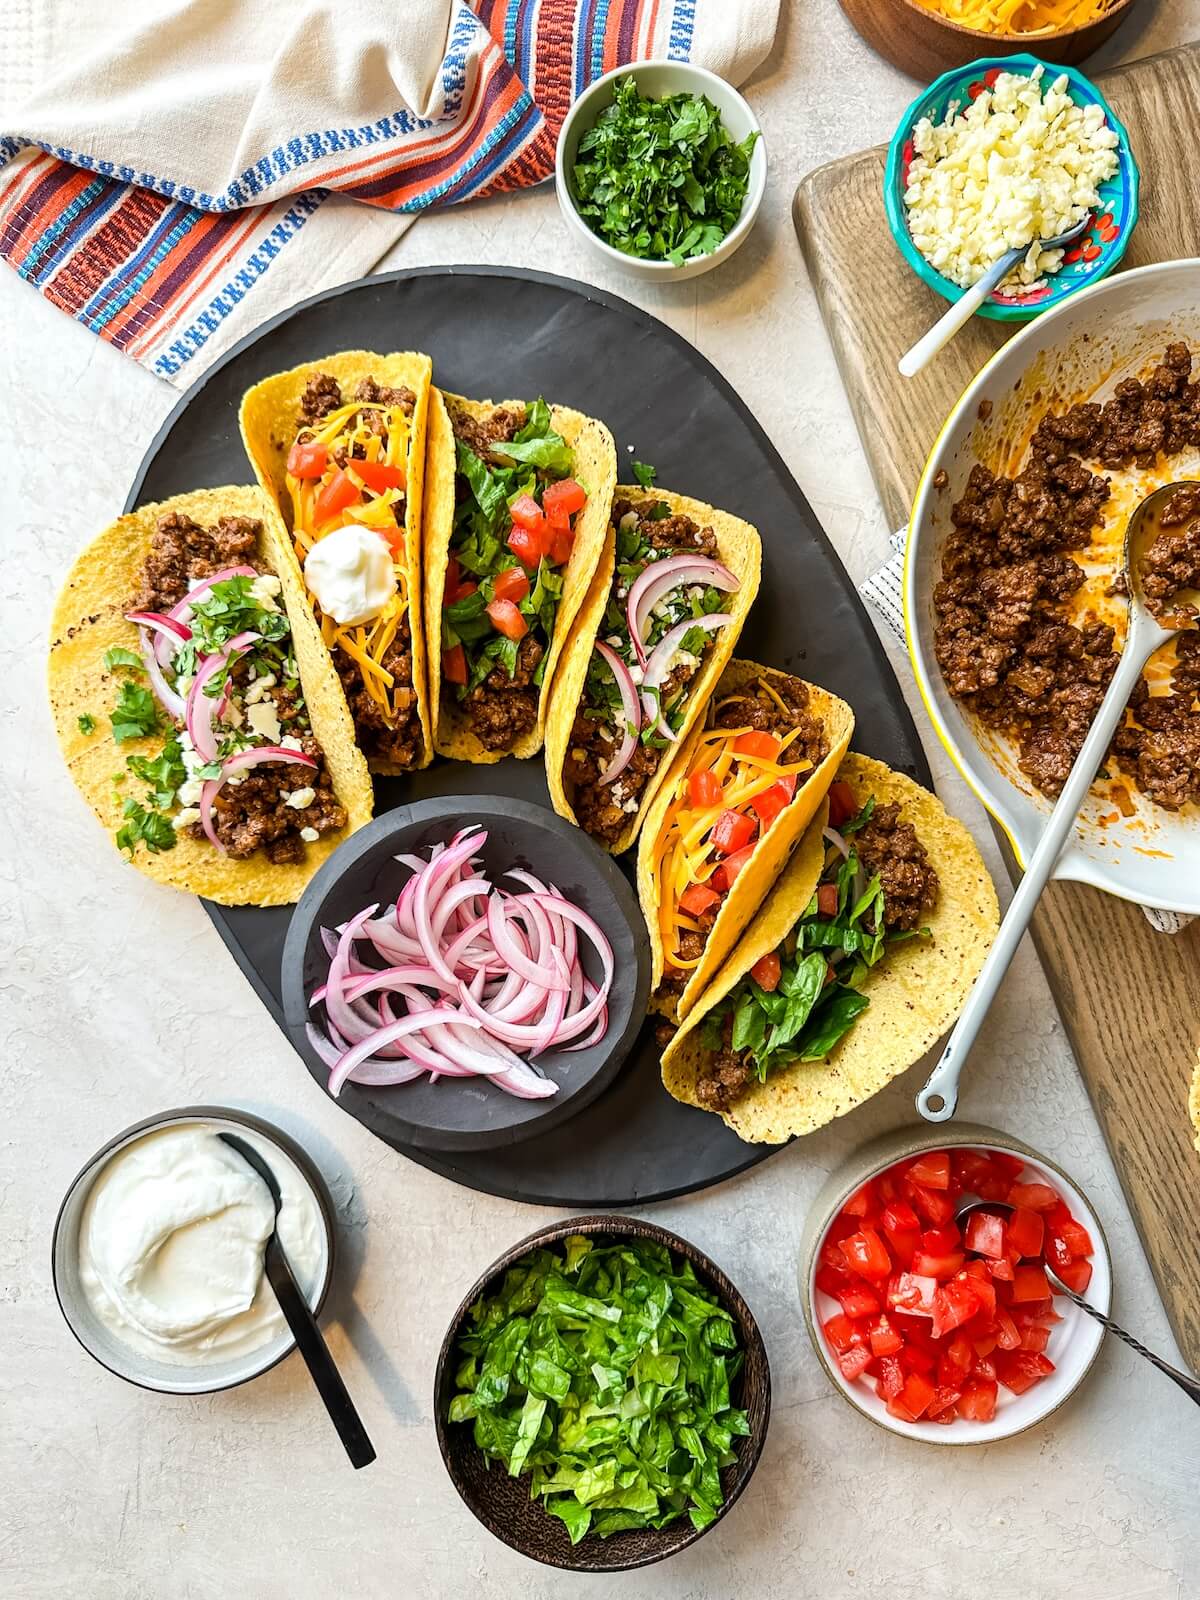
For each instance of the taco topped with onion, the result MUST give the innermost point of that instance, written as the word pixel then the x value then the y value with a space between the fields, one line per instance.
pixel 516 522
pixel 655 633
pixel 736 799
pixel 858 961
pixel 201 721
pixel 339 444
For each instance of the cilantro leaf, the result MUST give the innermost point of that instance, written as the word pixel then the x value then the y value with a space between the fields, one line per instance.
pixel 163 773
pixel 87 722
pixel 645 475
pixel 135 713
pixel 141 826
pixel 117 659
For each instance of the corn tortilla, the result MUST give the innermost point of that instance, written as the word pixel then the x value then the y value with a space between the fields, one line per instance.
pixel 771 853
pixel 268 420
pixel 740 549
pixel 89 618
pixel 916 992
pixel 595 467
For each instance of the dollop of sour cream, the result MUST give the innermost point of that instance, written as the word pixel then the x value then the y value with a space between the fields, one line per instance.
pixel 351 573
pixel 171 1245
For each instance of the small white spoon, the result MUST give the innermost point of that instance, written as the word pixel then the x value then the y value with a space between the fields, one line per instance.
pixel 965 307
pixel 939 1098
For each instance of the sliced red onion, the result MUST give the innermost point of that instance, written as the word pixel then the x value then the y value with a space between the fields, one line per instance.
pixel 509 948
pixel 658 579
pixel 238 763
pixel 833 837
pixel 631 712
pixel 392 1031
pixel 168 633
pixel 659 666
pixel 172 703
pixel 201 707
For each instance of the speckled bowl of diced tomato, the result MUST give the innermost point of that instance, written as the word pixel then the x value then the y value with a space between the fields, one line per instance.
pixel 943 1327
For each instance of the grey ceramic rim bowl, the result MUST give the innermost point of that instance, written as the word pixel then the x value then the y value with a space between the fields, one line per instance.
pixel 874 1158
pixel 120 1360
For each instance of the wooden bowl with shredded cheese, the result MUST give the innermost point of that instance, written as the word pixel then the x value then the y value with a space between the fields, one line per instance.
pixel 925 37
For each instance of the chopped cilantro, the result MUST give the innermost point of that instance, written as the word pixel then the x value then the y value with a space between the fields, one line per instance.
pixel 141 826
pixel 230 608
pixel 135 713
pixel 163 773
pixel 87 723
pixel 117 659
pixel 645 475
pixel 660 179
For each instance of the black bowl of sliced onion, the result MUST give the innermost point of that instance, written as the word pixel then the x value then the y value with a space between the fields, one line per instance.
pixel 466 972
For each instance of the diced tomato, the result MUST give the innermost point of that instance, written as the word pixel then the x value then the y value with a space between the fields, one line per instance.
pixel 842 1333
pixel 1002 1270
pixel 526 513
pixel 899 1217
pixel 559 546
pixel 830 1280
pixel 941 1241
pixel 507 619
pixel 697 898
pixel 854 1362
pixel 1029 1283
pixel 756 743
pixel 1035 1339
pixel 1035 1313
pixel 858 1301
pixel 932 1169
pixel 978 1402
pixel 341 491
pixel 788 782
pixel 913 1293
pixel 827 904
pixel 1076 1275
pixel 307 460
pixel 979 1175
pixel 770 803
pixel 944 1399
pixel 859 1203
pixel 916 1394
pixel 842 804
pixel 985 1234
pixel 953 1304
pixel 561 500
pixel 916 1358
pixel 380 475
pixel 904 1244
pixel 704 789
pixel 731 832
pixel 1025 1231
pixel 511 584
pixel 885 1340
pixel 926 1265
pixel 934 1205
pixel 1032 1196
pixel 526 546
pixel 454 664
pixel 891 1378
pixel 466 588
pixel 766 971
pixel 983 1347
pixel 1076 1238
pixel 1019 1370
pixel 1056 1252
pixel 984 1291
pixel 453 579
pixel 726 871
pixel 1008 1335
pixel 866 1253
pixel 985 1367
pixel 1012 1166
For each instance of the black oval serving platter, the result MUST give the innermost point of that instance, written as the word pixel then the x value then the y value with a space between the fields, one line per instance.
pixel 471 1113
pixel 504 331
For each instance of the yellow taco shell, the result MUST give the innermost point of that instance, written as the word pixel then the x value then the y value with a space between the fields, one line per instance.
pixel 89 618
pixel 740 549
pixel 268 420
pixel 916 992
pixel 596 469
pixel 770 854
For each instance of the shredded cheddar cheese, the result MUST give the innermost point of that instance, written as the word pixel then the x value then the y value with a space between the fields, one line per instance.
pixel 1020 16
pixel 365 643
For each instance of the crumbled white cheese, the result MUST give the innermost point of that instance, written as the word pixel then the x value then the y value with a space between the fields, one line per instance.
pixel 186 817
pixel 300 799
pixel 636 672
pixel 183 684
pixel 628 522
pixel 309 835
pixel 264 719
pixel 264 590
pixel 258 688
pixel 290 742
pixel 188 793
pixel 630 806
pixel 1015 167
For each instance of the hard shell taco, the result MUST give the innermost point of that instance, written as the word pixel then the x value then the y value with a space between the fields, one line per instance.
pixel 201 720
pixel 734 801
pixel 859 960
pixel 516 519
pixel 339 446
pixel 654 635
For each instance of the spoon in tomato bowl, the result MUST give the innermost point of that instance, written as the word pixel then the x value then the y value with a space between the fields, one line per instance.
pixel 1005 1212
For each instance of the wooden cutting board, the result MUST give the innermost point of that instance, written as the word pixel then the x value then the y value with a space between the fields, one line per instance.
pixel 1129 997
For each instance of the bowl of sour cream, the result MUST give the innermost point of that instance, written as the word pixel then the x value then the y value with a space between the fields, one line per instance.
pixel 158 1250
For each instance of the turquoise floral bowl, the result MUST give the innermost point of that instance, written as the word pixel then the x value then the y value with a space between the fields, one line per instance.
pixel 1091 258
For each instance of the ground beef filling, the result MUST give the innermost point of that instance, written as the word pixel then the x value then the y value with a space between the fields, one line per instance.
pixel 606 810
pixel 479 434
pixel 250 815
pixel 885 845
pixel 1172 562
pixel 398 742
pixel 1002 641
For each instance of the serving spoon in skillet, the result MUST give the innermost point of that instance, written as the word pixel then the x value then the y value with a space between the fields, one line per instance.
pixel 996 1208
pixel 1145 634
pixel 299 1317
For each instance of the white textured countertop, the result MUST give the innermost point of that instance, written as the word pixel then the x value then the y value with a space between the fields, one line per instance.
pixel 118 1000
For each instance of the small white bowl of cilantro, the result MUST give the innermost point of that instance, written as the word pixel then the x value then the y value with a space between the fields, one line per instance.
pixel 661 169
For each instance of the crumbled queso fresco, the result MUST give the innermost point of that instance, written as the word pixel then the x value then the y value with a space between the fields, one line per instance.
pixel 1016 166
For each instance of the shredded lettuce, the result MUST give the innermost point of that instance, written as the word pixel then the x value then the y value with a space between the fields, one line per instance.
pixel 604 1372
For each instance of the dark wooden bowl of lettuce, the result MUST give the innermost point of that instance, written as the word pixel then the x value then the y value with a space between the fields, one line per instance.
pixel 655 1469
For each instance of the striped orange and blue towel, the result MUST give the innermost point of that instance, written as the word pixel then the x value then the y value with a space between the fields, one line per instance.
pixel 178 184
